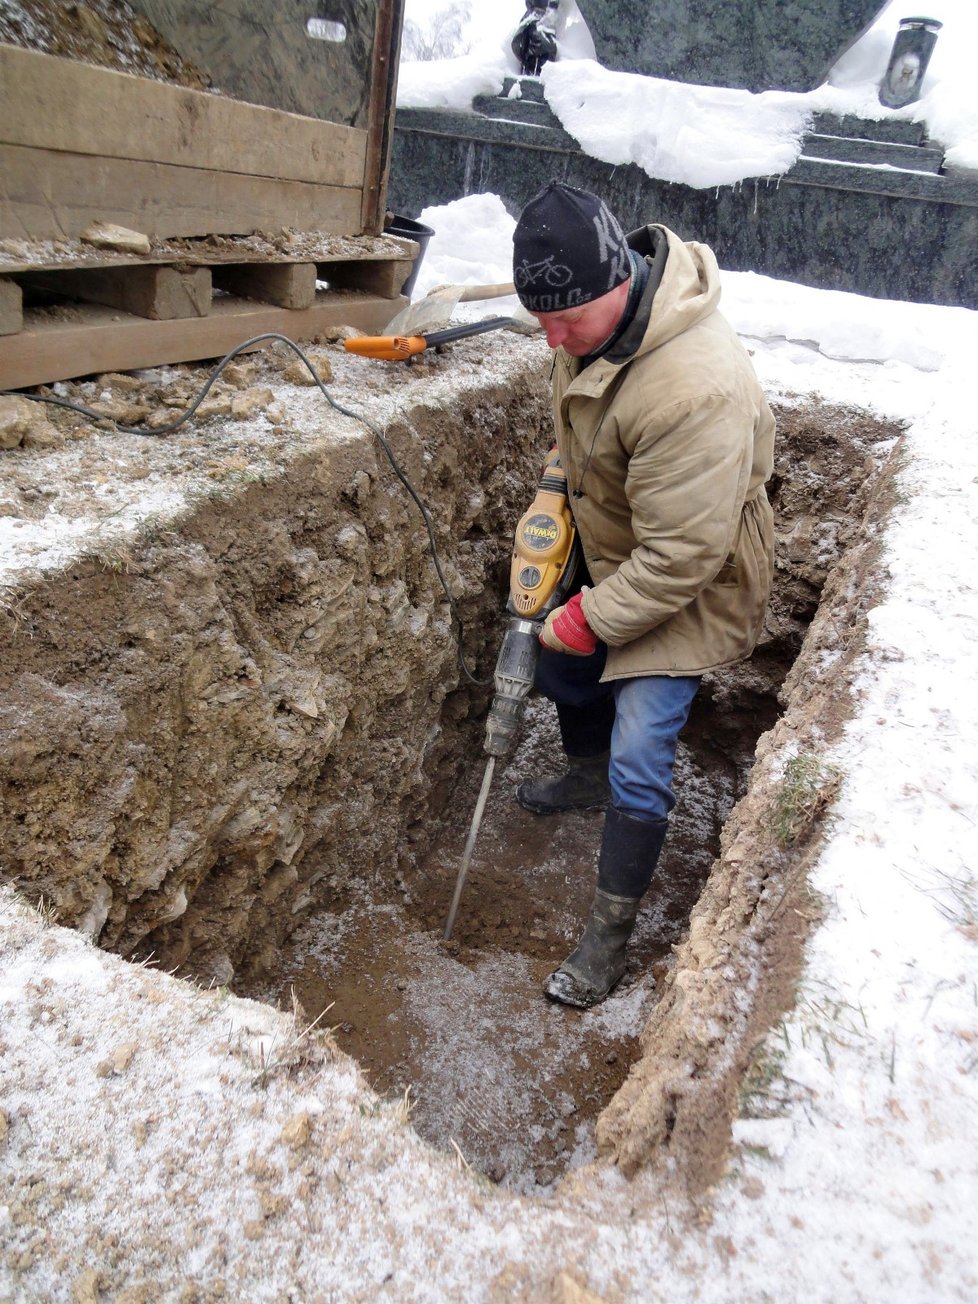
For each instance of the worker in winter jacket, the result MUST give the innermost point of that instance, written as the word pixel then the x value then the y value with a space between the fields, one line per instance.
pixel 666 440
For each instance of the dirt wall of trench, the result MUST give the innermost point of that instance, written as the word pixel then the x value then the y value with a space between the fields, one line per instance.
pixel 735 972
pixel 273 674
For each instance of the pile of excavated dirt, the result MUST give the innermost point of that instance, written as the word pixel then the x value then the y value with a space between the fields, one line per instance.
pixel 107 33
pixel 240 745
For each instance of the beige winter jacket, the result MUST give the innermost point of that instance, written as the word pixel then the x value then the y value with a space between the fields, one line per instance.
pixel 666 457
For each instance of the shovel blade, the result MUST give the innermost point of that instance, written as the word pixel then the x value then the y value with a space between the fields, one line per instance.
pixel 431 314
pixel 434 312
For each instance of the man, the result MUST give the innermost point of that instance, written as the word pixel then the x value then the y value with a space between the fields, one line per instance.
pixel 667 441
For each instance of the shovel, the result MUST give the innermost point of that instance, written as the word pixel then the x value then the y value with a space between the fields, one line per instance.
pixel 398 348
pixel 418 326
pixel 435 310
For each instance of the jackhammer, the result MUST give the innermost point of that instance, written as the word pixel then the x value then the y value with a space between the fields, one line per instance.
pixel 546 553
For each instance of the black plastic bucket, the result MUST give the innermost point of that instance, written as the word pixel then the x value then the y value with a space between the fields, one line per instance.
pixel 406 228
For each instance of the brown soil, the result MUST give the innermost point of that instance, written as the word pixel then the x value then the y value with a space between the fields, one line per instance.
pixel 748 927
pixel 204 701
pixel 107 33
pixel 514 1082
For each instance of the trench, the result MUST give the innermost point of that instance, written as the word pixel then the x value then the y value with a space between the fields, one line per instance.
pixel 494 1072
pixel 512 1081
pixel 249 756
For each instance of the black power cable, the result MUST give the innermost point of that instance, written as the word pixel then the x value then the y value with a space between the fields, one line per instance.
pixel 345 411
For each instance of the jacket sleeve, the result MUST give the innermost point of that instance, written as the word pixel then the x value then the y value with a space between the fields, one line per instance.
pixel 687 474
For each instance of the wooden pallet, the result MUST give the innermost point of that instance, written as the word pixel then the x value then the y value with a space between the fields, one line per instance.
pixel 82 146
pixel 72 311
pixel 101 339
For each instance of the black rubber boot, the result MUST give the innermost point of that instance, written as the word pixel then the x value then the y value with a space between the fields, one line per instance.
pixel 583 786
pixel 630 849
pixel 588 975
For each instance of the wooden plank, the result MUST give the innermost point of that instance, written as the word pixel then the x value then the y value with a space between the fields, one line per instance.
pixel 287 285
pixel 60 104
pixel 380 125
pixel 52 196
pixel 11 311
pixel 159 293
pixel 105 340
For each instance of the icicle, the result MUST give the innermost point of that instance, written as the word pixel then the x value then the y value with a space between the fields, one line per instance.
pixel 467 176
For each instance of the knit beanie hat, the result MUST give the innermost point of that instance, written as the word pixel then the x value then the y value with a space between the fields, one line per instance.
pixel 568 249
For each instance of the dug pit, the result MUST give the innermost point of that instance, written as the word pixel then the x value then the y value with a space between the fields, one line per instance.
pixel 239 742
pixel 512 1082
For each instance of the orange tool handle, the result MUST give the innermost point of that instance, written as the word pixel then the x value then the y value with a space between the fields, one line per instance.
pixel 389 348
pixel 395 348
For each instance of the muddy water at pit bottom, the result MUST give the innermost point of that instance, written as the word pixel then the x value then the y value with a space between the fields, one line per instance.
pixel 494 1069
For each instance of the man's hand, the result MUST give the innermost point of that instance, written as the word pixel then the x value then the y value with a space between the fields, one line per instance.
pixel 548 461
pixel 566 630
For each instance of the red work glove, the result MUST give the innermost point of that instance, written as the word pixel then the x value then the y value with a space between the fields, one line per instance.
pixel 566 630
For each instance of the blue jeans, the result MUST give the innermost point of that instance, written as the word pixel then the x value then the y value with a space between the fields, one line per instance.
pixel 639 719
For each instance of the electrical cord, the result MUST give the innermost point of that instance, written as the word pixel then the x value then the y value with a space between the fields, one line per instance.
pixel 339 407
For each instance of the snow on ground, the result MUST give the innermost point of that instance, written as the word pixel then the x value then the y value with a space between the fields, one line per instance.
pixel 880 1054
pixel 167 1142
pixel 711 136
pixel 105 505
pixel 454 257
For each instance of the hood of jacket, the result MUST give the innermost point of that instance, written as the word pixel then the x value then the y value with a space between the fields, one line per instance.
pixel 683 288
